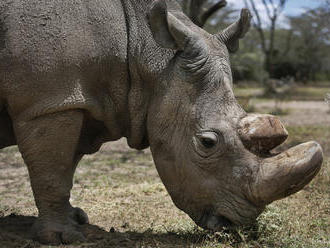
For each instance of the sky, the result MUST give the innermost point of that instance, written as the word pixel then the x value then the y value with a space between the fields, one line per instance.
pixel 295 7
pixel 292 7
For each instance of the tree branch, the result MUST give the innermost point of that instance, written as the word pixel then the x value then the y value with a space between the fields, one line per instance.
pixel 267 8
pixel 258 24
pixel 288 42
pixel 210 11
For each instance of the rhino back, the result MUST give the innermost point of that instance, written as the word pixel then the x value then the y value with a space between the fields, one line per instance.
pixel 58 55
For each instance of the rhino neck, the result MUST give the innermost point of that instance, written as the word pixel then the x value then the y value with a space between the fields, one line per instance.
pixel 146 61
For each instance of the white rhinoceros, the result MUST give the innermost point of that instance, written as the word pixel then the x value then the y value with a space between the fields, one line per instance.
pixel 77 73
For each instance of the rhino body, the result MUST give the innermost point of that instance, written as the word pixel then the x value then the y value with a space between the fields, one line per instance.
pixel 58 56
pixel 76 74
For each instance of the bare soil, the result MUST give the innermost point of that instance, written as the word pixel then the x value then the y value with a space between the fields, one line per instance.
pixel 300 112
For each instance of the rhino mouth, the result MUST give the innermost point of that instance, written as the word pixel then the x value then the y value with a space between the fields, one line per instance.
pixel 213 222
pixel 279 176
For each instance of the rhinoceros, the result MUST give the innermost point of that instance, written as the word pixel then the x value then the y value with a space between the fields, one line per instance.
pixel 75 74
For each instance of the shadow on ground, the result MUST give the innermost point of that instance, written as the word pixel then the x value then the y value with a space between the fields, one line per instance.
pixel 15 232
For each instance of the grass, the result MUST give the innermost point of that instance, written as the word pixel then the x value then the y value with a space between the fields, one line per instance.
pixel 300 93
pixel 250 106
pixel 128 205
pixel 247 92
pixel 299 134
pixel 124 197
pixel 279 111
pixel 309 93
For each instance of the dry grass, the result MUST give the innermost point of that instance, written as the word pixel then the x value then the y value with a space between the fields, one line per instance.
pixel 297 93
pixel 124 197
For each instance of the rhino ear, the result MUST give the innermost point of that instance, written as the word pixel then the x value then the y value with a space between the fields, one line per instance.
pixel 231 35
pixel 168 25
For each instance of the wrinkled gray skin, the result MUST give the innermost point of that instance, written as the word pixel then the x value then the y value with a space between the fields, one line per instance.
pixel 75 74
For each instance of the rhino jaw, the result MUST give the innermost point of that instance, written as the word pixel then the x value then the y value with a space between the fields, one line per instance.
pixel 278 177
pixel 287 173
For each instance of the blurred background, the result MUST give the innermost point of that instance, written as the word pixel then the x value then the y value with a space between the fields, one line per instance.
pixel 289 39
pixel 283 64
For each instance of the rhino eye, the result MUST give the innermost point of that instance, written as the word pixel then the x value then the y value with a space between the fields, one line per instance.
pixel 208 139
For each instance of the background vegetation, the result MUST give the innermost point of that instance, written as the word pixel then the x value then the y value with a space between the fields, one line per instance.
pixel 298 48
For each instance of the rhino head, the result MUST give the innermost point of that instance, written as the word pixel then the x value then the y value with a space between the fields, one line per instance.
pixel 212 156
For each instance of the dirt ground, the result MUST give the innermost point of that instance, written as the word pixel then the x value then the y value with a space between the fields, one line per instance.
pixel 128 205
pixel 300 112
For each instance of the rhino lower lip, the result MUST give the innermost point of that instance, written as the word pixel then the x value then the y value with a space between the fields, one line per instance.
pixel 214 222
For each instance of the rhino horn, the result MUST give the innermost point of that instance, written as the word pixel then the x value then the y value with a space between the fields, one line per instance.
pixel 287 173
pixel 261 133
pixel 231 35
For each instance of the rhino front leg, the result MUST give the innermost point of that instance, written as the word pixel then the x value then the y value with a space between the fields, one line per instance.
pixel 48 145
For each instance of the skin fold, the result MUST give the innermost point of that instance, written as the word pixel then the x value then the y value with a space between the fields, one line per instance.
pixel 76 74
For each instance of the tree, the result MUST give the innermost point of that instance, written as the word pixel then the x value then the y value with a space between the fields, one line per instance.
pixel 273 10
pixel 199 11
pixel 311 45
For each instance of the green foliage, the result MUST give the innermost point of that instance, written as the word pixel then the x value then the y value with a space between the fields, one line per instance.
pixel 301 51
pixel 248 66
pixel 308 56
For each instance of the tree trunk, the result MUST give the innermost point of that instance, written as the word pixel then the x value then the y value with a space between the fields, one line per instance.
pixel 199 11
